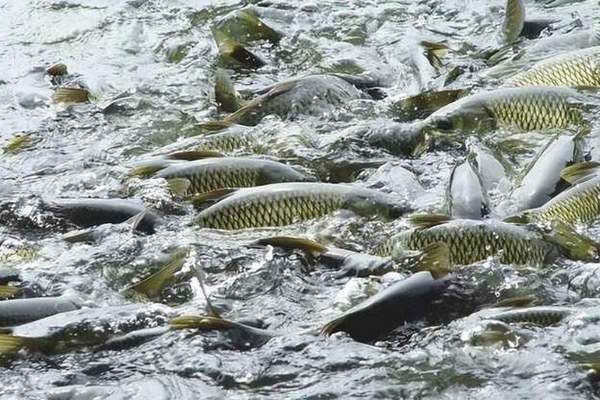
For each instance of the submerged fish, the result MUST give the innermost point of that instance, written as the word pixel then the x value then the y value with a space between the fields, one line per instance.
pixel 403 301
pixel 90 212
pixel 285 203
pixel 574 68
pixel 466 196
pixel 541 180
pixel 311 95
pixel 218 173
pixel 434 258
pixel 527 108
pixel 84 327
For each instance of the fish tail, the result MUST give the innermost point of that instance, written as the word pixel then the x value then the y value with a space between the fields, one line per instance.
pixel 201 322
pixel 153 284
pixel 10 344
pixel 226 96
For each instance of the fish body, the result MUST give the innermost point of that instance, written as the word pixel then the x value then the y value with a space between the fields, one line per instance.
pixel 285 203
pixel 466 196
pixel 315 95
pixel 91 212
pixel 578 204
pixel 541 180
pixel 403 301
pixel 573 68
pixel 20 311
pixel 527 108
pixel 217 173
pixel 470 241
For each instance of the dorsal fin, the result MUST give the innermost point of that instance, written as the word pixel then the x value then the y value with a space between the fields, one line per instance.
pixel 435 258
pixel 291 242
pixel 429 220
pixel 206 199
pixel 517 301
pixel 579 172
pixel 215 126
pixel 193 155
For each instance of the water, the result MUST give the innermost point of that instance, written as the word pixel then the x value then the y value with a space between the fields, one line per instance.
pixel 157 58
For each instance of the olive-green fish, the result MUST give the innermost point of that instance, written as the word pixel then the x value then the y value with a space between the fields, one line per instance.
pixel 580 203
pixel 527 108
pixel 470 241
pixel 281 204
pixel 514 20
pixel 230 172
pixel 574 68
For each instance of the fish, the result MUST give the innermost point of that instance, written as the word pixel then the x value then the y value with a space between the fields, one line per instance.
pixel 471 241
pixel 526 108
pixel 402 139
pixel 541 180
pixel 315 95
pixel 229 172
pixel 82 327
pixel 282 204
pixel 491 167
pixel 8 274
pixel 573 68
pixel 541 315
pixel 20 311
pixel 465 195
pixel 88 212
pixel 578 204
pixel 433 258
pixel 403 301
pixel 514 20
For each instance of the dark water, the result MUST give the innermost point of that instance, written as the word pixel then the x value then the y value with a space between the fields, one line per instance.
pixel 158 58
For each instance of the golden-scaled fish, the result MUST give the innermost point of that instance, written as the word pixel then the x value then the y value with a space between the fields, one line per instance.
pixel 470 241
pixel 229 172
pixel 574 68
pixel 281 204
pixel 580 203
pixel 526 108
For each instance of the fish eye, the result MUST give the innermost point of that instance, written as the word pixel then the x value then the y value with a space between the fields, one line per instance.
pixel 444 124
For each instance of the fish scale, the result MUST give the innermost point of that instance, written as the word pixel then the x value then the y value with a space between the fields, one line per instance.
pixel 470 241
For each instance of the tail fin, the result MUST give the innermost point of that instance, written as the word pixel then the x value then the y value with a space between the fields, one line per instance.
pixel 153 284
pixel 227 97
pixel 575 245
pixel 71 95
pixel 233 53
pixel 8 292
pixel 10 344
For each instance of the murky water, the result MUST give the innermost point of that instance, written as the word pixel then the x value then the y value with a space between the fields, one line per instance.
pixel 149 66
